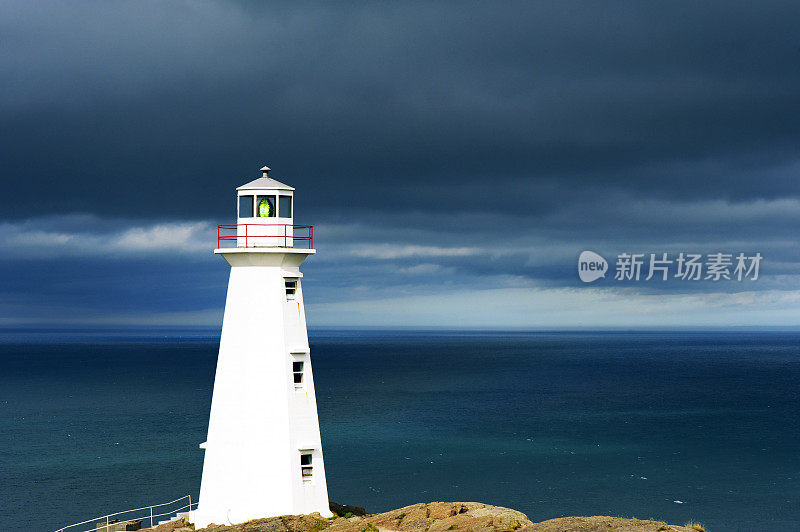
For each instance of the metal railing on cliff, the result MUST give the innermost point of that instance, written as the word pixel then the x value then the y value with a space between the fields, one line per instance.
pixel 105 523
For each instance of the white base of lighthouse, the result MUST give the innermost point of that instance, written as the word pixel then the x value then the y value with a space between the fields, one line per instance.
pixel 263 455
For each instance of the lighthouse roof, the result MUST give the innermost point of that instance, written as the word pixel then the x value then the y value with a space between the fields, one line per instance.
pixel 265 182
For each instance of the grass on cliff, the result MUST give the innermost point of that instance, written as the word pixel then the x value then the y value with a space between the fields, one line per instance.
pixel 695 526
pixel 321 525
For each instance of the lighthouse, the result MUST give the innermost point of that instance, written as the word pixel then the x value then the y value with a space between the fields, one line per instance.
pixel 263 453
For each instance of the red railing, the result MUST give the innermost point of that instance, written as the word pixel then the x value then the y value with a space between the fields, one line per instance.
pixel 265 235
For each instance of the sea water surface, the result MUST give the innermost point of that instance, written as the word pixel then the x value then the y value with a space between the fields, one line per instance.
pixel 670 425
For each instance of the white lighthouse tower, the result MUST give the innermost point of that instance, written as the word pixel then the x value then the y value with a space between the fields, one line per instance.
pixel 263 454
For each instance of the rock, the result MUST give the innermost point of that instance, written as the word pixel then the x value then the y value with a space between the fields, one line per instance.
pixel 441 517
pixel 438 517
pixel 603 523
pixel 286 523
pixel 343 509
pixel 179 525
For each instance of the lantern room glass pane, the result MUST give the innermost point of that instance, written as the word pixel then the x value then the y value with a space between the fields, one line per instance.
pixel 245 206
pixel 285 207
pixel 265 206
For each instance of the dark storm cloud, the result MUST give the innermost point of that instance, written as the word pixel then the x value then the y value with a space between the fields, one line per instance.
pixel 141 104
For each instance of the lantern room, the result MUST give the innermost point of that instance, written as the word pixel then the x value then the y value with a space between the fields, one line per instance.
pixel 265 198
pixel 264 217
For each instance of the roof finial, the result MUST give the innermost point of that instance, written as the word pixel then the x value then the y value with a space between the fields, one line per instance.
pixel 265 171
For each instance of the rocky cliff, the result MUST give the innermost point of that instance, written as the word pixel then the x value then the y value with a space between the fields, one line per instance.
pixel 436 517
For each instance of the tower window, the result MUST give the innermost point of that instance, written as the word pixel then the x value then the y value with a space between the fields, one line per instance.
pixel 306 468
pixel 291 288
pixel 245 206
pixel 297 374
pixel 285 206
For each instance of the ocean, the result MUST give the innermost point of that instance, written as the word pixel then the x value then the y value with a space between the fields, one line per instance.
pixel 669 425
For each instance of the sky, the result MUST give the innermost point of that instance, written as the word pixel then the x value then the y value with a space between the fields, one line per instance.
pixel 455 158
